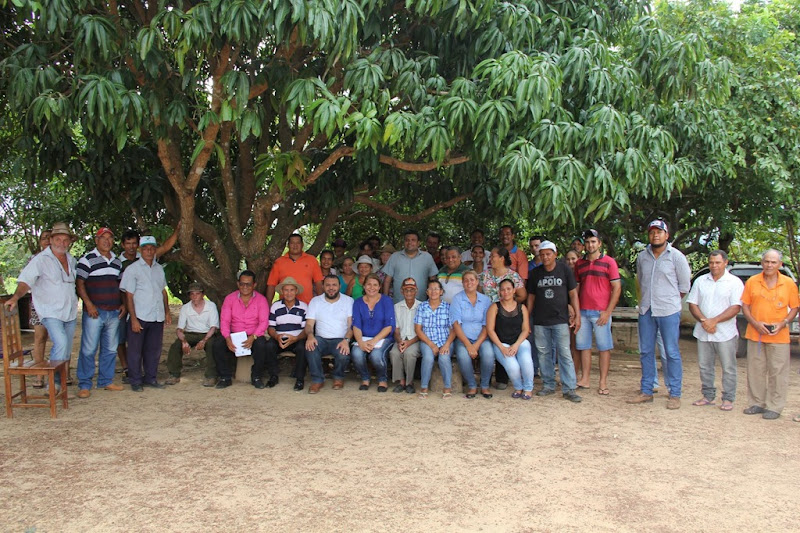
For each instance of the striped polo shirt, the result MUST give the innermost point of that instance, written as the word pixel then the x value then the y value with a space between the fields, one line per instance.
pixel 595 279
pixel 288 321
pixel 101 278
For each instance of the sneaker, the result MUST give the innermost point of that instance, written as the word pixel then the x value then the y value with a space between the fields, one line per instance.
pixel 546 392
pixel 257 383
pixel 172 380
pixel 84 393
pixel 754 410
pixel 209 382
pixel 223 383
pixel 673 402
pixel 770 415
pixel 640 398
pixel 571 396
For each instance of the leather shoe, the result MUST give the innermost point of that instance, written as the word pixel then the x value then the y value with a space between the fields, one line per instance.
pixel 209 382
pixel 257 383
pixel 640 398
pixel 338 385
pixel 137 388
pixel 221 384
pixel 410 389
pixel 272 381
pixel 754 410
pixel 114 387
pixel 299 385
pixel 770 415
pixel 154 385
pixel 84 393
pixel 673 402
pixel 315 387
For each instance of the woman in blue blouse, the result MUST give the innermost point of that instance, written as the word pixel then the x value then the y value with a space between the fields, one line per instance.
pixel 432 324
pixel 373 325
pixel 468 319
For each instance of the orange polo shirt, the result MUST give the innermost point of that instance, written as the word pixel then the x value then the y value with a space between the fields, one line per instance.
pixel 770 305
pixel 305 270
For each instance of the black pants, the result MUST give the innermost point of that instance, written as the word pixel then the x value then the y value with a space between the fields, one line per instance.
pixel 299 349
pixel 226 360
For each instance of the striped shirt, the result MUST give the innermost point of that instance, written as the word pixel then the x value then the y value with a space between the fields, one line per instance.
pixel 435 322
pixel 287 321
pixel 595 279
pixel 101 278
pixel 451 282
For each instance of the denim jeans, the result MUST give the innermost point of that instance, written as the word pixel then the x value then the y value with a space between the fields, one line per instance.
pixel 314 360
pixel 589 328
pixel 549 338
pixel 486 356
pixel 426 369
pixel 377 357
pixel 98 332
pixel 660 352
pixel 669 327
pixel 61 333
pixel 519 368
pixel 707 352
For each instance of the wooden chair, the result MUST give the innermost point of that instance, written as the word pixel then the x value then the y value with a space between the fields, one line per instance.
pixel 14 365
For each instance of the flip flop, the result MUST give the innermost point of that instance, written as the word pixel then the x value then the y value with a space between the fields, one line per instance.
pixel 729 407
pixel 703 402
pixel 795 418
pixel 603 392
pixel 423 395
pixel 446 395
pixel 582 387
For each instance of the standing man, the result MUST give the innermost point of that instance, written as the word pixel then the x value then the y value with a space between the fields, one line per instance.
pixel 715 300
pixel 286 331
pixel 533 244
pixel 432 243
pixel 770 302
pixel 450 274
pixel 243 311
pixel 551 290
pixel 145 288
pixel 476 238
pixel 198 321
pixel 410 262
pixel 98 276
pixel 405 352
pixel 578 245
pixel 50 277
pixel 329 330
pixel 519 261
pixel 664 277
pixel 599 288
pixel 301 266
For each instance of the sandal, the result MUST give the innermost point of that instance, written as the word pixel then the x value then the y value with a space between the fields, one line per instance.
pixel 795 418
pixel 486 394
pixel 446 395
pixel 527 396
pixel 702 402
pixel 423 395
pixel 516 394
pixel 37 383
pixel 70 381
pixel 603 392
pixel 728 406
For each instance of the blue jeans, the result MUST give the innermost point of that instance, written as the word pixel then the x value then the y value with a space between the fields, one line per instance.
pixel 669 327
pixel 549 338
pixel 519 368
pixel 486 355
pixel 314 360
pixel 98 332
pixel 61 333
pixel 589 328
pixel 377 357
pixel 426 369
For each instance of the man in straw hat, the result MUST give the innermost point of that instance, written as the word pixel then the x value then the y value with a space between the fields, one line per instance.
pixel 286 332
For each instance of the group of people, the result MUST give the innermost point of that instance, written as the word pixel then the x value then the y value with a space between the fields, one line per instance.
pixel 495 313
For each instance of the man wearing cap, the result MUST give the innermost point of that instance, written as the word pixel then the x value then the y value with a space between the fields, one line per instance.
pixel 519 261
pixel 98 276
pixel 405 352
pixel 578 245
pixel 329 330
pixel 198 321
pixel 599 288
pixel 50 277
pixel 145 288
pixel 450 274
pixel 243 311
pixel 410 262
pixel 664 277
pixel 301 266
pixel 551 291
pixel 286 332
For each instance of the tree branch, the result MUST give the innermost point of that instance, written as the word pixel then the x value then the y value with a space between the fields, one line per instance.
pixel 387 210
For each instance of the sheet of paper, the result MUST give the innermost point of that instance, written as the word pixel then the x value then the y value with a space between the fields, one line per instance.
pixel 238 338
pixel 378 344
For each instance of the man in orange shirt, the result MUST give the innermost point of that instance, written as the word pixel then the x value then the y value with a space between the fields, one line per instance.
pixel 299 265
pixel 769 302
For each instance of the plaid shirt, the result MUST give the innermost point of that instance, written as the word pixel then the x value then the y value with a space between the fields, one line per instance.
pixel 435 324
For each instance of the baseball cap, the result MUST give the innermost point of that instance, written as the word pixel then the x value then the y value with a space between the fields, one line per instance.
pixel 409 282
pixel 196 287
pixel 660 224
pixel 591 233
pixel 102 231
pixel 548 245
pixel 147 239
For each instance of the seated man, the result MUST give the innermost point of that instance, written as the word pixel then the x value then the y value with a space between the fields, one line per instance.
pixel 332 314
pixel 405 352
pixel 197 324
pixel 245 311
pixel 287 322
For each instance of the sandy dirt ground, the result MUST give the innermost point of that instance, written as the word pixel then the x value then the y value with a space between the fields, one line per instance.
pixel 196 459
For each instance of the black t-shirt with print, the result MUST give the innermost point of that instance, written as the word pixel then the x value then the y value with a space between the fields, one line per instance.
pixel 551 292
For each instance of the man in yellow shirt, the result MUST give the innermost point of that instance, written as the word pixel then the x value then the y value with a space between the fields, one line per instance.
pixel 769 302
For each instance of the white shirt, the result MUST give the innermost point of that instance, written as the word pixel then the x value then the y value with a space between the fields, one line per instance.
pixel 714 297
pixel 146 283
pixel 330 317
pixel 466 257
pixel 191 321
pixel 52 287
pixel 404 319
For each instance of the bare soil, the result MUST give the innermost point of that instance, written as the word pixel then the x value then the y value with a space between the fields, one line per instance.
pixel 196 459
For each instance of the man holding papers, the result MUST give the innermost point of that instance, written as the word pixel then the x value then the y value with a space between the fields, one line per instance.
pixel 242 322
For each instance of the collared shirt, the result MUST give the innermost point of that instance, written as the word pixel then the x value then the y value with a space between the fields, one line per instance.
pixel 519 261
pixel 52 287
pixel 251 318
pixel 662 280
pixel 472 318
pixel 330 318
pixel 288 321
pixel 101 279
pixel 769 305
pixel 490 284
pixel 452 282
pixel 305 270
pixel 595 277
pixel 191 321
pixel 420 267
pixel 404 318
pixel 146 283
pixel 372 322
pixel 714 297
pixel 435 322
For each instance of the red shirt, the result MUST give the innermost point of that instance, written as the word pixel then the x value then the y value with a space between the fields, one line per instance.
pixel 305 270
pixel 595 279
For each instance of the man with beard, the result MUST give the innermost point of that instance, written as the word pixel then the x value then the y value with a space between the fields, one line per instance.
pixel 410 262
